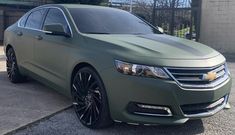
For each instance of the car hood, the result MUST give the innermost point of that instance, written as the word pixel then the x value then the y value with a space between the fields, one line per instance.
pixel 159 46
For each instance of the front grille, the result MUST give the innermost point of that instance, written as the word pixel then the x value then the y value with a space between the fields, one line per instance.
pixel 195 77
pixel 203 108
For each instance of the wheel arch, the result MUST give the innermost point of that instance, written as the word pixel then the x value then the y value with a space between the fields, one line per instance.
pixel 79 66
pixel 8 46
pixel 106 105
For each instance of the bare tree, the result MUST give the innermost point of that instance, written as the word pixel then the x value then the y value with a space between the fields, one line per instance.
pixel 172 3
pixel 143 9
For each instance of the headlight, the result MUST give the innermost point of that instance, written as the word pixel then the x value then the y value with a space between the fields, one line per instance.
pixel 140 70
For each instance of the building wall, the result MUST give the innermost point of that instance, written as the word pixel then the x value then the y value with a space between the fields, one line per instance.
pixel 218 25
pixel 10 13
pixel 8 16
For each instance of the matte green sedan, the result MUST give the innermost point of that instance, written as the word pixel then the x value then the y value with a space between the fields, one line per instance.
pixel 116 67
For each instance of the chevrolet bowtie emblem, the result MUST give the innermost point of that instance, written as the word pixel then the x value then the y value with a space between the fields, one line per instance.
pixel 210 76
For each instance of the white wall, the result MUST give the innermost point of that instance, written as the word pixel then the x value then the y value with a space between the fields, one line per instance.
pixel 218 25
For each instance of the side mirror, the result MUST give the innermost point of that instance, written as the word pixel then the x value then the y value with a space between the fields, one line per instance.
pixel 56 29
pixel 161 29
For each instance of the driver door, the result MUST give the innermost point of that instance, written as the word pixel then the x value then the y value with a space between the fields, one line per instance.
pixel 51 52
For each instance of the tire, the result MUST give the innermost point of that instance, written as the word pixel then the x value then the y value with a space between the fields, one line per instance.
pixel 12 68
pixel 90 100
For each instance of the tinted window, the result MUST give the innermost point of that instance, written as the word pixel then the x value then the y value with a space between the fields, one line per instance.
pixel 55 16
pixel 111 21
pixel 35 19
pixel 23 20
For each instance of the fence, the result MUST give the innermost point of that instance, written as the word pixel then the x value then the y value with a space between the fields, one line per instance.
pixel 177 17
pixel 180 18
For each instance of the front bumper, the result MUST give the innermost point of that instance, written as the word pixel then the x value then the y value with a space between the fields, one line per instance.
pixel 124 89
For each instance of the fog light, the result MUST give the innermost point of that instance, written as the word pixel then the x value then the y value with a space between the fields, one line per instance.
pixel 149 110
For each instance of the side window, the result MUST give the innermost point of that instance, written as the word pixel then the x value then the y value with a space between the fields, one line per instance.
pixel 23 20
pixel 55 16
pixel 35 19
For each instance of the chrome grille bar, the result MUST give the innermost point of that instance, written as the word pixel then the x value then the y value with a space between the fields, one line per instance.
pixel 219 69
pixel 195 77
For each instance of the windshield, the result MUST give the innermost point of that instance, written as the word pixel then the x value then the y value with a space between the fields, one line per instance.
pixel 109 21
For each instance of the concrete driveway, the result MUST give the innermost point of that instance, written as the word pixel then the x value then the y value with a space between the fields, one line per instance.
pixel 21 104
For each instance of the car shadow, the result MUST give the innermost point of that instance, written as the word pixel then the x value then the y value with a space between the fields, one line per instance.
pixel 191 127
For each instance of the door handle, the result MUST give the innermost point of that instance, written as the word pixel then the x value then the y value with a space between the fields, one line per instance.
pixel 19 33
pixel 39 37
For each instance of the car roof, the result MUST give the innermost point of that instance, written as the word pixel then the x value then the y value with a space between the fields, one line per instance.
pixel 75 6
pixel 81 6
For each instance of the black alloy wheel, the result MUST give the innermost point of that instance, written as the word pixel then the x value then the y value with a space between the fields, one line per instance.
pixel 89 99
pixel 12 67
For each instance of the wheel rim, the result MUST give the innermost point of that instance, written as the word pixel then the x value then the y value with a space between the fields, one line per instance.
pixel 11 64
pixel 87 97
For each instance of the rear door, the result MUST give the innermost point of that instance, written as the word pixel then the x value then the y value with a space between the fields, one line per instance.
pixel 20 46
pixel 51 52
pixel 28 29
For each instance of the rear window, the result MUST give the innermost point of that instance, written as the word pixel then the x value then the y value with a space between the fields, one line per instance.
pixel 35 19
pixel 23 20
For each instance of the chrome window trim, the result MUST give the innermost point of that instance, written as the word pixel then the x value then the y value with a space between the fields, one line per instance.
pixel 49 7
pixel 26 14
pixel 213 86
